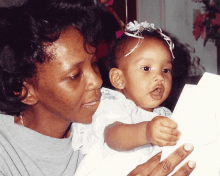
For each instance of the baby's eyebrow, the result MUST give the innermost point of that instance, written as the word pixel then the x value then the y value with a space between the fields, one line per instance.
pixel 142 58
pixel 170 62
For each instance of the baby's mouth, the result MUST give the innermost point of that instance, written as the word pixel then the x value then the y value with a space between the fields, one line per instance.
pixel 157 93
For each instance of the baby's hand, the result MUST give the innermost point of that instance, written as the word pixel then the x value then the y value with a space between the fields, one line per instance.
pixel 162 131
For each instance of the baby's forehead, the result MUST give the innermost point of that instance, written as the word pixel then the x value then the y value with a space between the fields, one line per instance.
pixel 134 44
pixel 147 51
pixel 131 42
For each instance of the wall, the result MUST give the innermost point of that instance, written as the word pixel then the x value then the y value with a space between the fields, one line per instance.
pixel 176 17
pixel 148 10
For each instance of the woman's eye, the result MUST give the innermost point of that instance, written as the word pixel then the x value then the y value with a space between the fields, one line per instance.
pixel 95 67
pixel 166 70
pixel 94 64
pixel 146 68
pixel 73 77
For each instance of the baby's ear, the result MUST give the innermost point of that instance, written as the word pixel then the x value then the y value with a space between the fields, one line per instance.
pixel 31 97
pixel 117 78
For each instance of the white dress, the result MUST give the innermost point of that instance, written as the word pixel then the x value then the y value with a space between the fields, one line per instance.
pixel 89 138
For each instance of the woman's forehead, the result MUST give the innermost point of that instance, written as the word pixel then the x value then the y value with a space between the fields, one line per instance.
pixel 67 51
pixel 71 43
pixel 68 38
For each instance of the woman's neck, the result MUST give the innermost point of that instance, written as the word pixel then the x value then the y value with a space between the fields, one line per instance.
pixel 44 124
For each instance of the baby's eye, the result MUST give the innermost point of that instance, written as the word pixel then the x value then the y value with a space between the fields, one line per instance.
pixel 166 70
pixel 146 68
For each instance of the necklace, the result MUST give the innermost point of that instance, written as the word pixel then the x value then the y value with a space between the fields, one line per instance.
pixel 22 123
pixel 21 120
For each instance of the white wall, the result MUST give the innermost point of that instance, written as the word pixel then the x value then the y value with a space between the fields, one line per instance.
pixel 149 11
pixel 177 19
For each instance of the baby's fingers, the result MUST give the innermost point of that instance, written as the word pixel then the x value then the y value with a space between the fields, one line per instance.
pixel 167 122
pixel 170 131
pixel 169 139
pixel 161 142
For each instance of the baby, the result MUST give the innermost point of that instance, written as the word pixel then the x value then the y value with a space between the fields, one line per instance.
pixel 128 123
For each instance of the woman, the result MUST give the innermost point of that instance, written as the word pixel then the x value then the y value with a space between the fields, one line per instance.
pixel 47 81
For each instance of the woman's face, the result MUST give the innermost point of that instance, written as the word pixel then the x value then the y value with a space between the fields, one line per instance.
pixel 68 86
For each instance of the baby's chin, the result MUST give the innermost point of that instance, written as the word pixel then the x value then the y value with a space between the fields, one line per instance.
pixel 150 107
pixel 147 109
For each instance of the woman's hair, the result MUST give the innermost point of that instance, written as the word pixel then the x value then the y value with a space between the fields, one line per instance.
pixel 119 47
pixel 24 31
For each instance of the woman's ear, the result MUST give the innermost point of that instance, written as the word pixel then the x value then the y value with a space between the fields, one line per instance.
pixel 28 91
pixel 116 78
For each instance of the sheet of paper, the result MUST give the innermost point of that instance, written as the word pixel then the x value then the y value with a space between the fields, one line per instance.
pixel 197 113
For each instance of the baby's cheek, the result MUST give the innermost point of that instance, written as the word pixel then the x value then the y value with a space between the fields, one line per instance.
pixel 168 84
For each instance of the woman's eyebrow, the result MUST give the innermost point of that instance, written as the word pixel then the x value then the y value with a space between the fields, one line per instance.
pixel 70 68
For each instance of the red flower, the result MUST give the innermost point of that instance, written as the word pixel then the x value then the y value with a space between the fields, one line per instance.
pixel 198 27
pixel 216 21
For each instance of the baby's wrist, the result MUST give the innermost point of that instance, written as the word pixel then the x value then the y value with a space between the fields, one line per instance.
pixel 148 138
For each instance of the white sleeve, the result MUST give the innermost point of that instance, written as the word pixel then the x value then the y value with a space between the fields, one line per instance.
pixel 82 138
pixel 109 111
pixel 87 135
pixel 163 111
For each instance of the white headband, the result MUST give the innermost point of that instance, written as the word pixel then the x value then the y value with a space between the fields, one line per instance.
pixel 135 30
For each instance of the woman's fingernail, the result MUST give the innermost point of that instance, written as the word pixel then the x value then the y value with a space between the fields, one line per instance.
pixel 188 147
pixel 191 164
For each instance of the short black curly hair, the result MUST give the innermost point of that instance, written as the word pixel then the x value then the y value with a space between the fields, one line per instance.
pixel 23 32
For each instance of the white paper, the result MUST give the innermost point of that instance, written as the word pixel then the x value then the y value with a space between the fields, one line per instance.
pixel 197 113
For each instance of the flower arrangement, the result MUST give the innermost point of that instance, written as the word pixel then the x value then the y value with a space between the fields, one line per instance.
pixel 207 24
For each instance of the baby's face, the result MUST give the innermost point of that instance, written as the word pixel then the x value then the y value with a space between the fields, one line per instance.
pixel 147 73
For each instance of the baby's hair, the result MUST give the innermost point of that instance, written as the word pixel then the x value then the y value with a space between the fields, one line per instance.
pixel 24 31
pixel 118 49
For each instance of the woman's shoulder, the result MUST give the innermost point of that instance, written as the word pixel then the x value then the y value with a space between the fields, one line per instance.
pixel 5 122
pixel 5 125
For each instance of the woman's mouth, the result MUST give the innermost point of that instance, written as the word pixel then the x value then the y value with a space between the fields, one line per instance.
pixel 92 105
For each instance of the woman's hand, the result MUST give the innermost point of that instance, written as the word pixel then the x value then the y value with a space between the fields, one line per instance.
pixel 154 167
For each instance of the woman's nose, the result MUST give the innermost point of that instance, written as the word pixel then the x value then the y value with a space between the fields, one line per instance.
pixel 94 80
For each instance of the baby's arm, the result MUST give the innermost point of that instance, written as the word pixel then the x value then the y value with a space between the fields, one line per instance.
pixel 160 131
pixel 124 137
